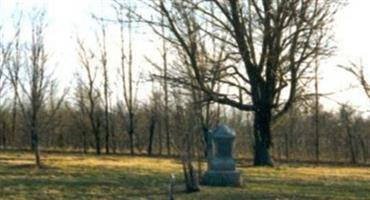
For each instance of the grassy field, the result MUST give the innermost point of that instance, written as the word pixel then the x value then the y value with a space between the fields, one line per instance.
pixel 74 176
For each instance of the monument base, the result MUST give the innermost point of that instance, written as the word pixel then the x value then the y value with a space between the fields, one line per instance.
pixel 221 178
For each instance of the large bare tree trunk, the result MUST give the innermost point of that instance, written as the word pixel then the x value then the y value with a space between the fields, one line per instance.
pixel 262 134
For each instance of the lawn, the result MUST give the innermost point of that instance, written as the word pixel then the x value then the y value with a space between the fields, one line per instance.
pixel 76 176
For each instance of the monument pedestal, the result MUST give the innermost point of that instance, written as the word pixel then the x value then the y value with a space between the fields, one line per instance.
pixel 222 178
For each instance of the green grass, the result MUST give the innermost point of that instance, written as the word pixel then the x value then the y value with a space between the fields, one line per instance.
pixel 74 176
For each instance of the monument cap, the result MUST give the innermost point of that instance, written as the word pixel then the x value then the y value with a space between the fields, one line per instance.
pixel 223 131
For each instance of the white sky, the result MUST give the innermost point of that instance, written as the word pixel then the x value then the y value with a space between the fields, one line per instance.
pixel 352 38
pixel 67 18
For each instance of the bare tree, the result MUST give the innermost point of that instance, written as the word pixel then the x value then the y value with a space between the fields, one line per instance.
pixel 36 85
pixel 127 73
pixel 357 70
pixel 86 57
pixel 106 83
pixel 165 89
pixel 270 47
pixel 13 75
pixel 317 110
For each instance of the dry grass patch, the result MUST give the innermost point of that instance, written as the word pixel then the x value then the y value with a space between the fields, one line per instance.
pixel 76 176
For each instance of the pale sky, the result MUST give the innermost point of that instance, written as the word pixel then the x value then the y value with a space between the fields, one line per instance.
pixel 67 18
pixel 352 38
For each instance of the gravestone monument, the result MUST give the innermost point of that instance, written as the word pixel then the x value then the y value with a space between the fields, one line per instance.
pixel 221 164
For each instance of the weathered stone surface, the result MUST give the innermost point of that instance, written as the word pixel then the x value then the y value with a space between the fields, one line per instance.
pixel 221 164
pixel 222 178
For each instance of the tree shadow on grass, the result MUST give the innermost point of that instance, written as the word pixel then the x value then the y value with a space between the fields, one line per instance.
pixel 270 187
pixel 112 184
pixel 318 189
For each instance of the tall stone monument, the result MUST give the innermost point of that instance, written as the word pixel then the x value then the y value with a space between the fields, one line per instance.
pixel 221 164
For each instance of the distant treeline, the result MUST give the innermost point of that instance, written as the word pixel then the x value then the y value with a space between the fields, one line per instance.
pixel 343 136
